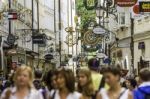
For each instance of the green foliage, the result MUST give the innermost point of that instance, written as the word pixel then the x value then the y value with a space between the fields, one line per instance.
pixel 87 16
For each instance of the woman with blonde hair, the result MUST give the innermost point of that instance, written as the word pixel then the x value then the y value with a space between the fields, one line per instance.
pixel 85 84
pixel 23 88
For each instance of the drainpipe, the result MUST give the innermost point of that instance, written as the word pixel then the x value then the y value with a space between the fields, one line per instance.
pixel 132 45
pixel 32 6
pixel 2 54
pixel 59 10
pixel 38 27
pixel 55 22
pixel 9 20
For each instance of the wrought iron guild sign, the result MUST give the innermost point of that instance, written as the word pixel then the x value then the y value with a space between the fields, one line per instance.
pixel 11 39
pixel 90 4
pixel 24 14
pixel 91 39
pixel 70 40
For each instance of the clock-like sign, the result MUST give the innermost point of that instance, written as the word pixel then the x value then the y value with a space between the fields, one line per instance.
pixel 91 39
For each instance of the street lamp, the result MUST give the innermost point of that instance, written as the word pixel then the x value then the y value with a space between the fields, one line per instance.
pixel 100 13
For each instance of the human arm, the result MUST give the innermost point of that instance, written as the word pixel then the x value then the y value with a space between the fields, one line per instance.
pixel 98 96
pixel 81 97
pixel 6 94
pixel 130 96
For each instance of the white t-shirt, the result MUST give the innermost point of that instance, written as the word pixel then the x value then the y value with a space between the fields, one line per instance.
pixel 74 95
pixel 34 94
pixel 104 93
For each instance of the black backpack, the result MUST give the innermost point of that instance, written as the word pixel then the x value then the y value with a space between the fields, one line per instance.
pixel 146 95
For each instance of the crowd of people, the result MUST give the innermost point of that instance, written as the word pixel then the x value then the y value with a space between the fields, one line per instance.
pixel 86 83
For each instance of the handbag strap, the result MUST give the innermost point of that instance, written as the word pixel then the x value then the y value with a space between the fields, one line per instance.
pixel 121 93
pixel 53 96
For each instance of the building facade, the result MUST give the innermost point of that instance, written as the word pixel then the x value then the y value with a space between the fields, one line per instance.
pixel 25 52
pixel 142 42
pixel 120 50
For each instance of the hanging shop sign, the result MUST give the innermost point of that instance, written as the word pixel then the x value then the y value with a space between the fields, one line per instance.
pixel 26 18
pixel 12 16
pixel 107 61
pixel 101 55
pixel 90 4
pixel 70 40
pixel 136 9
pixel 91 48
pixel 69 30
pixel 99 30
pixel 141 45
pixel 48 56
pixel 126 3
pixel 11 39
pixel 91 39
pixel 144 6
pixel 39 39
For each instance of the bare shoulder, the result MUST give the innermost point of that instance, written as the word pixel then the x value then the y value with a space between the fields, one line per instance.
pixel 81 97
pixel 98 96
pixel 5 93
pixel 130 95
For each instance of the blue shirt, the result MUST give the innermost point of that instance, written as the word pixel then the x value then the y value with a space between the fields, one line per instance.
pixel 143 89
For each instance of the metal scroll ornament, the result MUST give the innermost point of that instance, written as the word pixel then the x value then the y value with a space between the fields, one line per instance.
pixel 70 40
pixel 91 39
pixel 90 4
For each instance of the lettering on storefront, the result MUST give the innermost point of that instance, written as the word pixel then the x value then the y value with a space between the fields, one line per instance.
pixel 125 3
pixel 144 6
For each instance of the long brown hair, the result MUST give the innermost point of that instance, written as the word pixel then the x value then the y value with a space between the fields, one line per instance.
pixel 69 78
pixel 88 89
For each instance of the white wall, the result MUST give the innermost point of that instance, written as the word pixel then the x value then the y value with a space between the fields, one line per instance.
pixel 142 34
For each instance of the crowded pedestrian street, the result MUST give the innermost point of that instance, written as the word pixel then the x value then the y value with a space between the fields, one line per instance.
pixel 74 49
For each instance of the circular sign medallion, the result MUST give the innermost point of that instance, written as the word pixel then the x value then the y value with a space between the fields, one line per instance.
pixel 91 39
